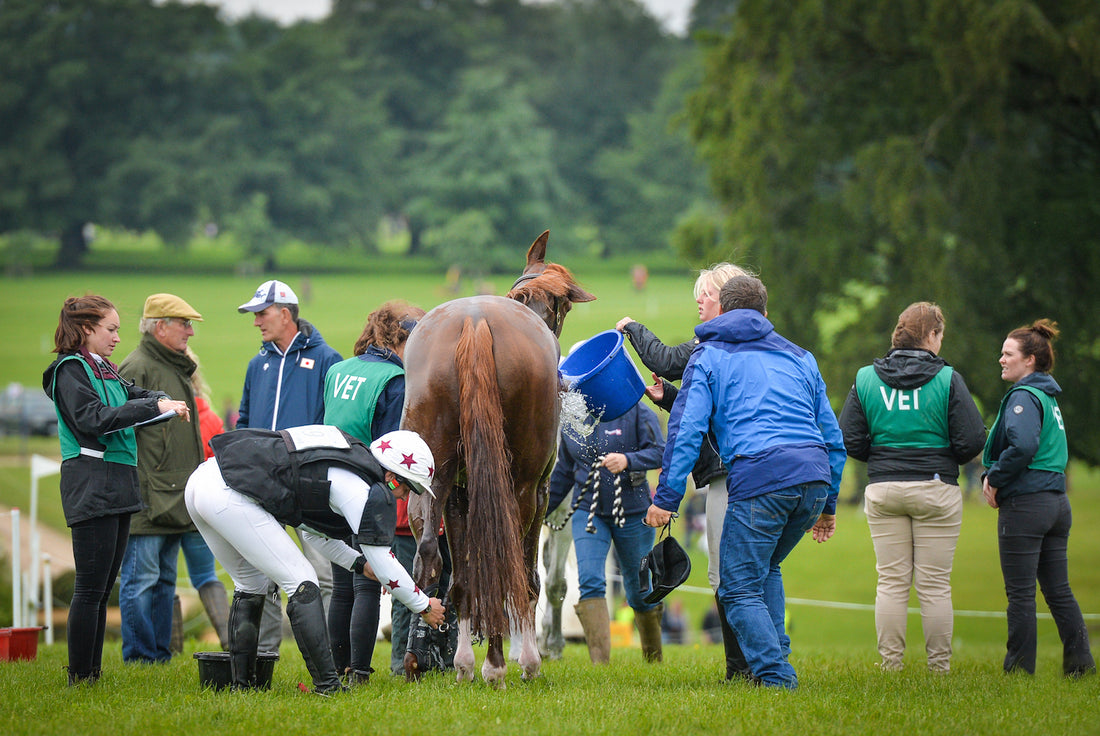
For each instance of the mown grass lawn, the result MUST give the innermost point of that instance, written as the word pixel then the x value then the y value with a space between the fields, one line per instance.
pixel 841 693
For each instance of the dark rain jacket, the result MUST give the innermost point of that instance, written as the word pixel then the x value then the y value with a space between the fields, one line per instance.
pixel 668 362
pixel 1015 441
pixel 636 434
pixel 93 486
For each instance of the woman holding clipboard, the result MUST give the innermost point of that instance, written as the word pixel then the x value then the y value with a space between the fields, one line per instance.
pixel 96 412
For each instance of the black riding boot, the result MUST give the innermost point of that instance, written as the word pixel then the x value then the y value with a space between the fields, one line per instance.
pixel 307 620
pixel 736 665
pixel 244 637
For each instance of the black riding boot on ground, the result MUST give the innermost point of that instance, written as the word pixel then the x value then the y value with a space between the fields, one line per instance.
pixel 736 665
pixel 244 638
pixel 307 620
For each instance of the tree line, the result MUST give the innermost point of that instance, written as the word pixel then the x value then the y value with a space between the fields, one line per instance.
pixel 870 155
pixel 457 124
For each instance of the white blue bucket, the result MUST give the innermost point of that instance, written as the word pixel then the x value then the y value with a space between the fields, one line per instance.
pixel 601 371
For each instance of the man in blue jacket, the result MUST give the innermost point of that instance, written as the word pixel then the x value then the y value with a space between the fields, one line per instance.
pixel 764 399
pixel 284 386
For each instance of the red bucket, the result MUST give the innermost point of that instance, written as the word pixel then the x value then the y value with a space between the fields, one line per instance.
pixel 19 643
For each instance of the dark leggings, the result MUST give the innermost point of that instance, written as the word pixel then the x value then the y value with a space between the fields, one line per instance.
pixel 98 546
pixel 353 619
pixel 1033 537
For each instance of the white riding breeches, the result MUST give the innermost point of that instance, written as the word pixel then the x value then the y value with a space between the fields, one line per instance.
pixel 252 546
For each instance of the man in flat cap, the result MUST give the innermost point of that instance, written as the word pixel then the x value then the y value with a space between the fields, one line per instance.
pixel 167 455
pixel 284 386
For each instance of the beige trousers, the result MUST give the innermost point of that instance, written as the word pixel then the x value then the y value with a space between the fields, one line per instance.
pixel 717 501
pixel 914 527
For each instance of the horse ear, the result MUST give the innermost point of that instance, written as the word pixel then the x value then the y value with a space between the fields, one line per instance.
pixel 537 252
pixel 577 294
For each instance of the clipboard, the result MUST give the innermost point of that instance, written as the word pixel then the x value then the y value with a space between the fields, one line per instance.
pixel 155 420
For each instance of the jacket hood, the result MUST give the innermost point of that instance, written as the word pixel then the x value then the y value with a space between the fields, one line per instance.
pixel 385 355
pixel 908 368
pixel 1042 381
pixel 738 325
pixel 48 376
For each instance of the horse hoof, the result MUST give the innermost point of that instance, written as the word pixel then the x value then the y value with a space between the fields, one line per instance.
pixel 463 674
pixel 412 668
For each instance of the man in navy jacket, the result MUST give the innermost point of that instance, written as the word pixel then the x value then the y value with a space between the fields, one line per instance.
pixel 284 387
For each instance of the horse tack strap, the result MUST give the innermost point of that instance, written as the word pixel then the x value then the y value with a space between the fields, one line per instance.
pixel 592 481
pixel 524 278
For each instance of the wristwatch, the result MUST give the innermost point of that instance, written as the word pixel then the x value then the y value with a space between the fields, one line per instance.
pixel 428 609
pixel 359 564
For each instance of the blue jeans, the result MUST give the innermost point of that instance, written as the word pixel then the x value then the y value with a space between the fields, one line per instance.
pixel 757 536
pixel 632 542
pixel 145 596
pixel 199 559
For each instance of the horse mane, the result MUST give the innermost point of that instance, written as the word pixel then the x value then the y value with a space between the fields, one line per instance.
pixel 555 281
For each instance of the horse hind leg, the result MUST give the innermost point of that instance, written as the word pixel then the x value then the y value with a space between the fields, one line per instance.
pixel 529 659
pixel 495 668
pixel 555 555
pixel 465 660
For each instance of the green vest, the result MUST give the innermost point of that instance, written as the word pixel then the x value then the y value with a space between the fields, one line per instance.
pixel 121 446
pixel 915 418
pixel 1053 452
pixel 352 388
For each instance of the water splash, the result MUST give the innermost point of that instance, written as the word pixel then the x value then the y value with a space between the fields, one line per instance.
pixel 575 419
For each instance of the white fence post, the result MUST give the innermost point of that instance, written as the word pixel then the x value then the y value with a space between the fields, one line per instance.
pixel 16 573
pixel 40 467
pixel 47 597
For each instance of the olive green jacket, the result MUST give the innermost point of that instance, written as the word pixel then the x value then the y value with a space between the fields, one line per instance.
pixel 167 452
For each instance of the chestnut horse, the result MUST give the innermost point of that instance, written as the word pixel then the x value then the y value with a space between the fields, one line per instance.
pixel 481 388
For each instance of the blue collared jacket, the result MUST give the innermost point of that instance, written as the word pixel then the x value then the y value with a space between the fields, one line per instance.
pixel 287 389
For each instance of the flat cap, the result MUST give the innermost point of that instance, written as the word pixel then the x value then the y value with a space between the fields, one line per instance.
pixel 160 306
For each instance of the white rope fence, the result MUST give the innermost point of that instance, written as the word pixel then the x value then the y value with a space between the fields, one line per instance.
pixel 871 607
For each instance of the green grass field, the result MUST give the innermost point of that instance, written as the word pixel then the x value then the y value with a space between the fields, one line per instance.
pixel 841 692
pixel 337 305
pixel 833 646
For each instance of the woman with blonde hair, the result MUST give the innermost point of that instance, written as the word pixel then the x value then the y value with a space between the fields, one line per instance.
pixel 910 417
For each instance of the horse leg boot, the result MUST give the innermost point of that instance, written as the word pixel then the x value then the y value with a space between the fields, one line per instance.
pixel 243 637
pixel 216 603
pixel 596 623
pixel 649 630
pixel 736 665
pixel 307 620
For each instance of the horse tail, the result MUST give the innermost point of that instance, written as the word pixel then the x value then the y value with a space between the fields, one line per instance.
pixel 495 580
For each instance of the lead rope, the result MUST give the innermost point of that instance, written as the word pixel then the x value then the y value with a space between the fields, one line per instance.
pixel 592 482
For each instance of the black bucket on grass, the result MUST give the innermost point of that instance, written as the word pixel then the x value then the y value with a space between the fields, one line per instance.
pixel 214 670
